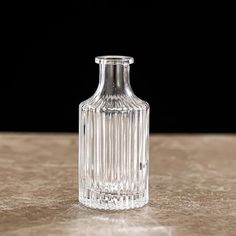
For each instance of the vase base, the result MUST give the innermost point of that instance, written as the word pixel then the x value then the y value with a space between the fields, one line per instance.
pixel 106 201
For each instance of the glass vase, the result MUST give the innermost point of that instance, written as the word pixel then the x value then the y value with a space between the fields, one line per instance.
pixel 113 141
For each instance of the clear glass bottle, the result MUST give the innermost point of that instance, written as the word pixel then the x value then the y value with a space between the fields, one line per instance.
pixel 113 141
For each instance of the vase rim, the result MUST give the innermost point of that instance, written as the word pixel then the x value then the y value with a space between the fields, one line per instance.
pixel 114 59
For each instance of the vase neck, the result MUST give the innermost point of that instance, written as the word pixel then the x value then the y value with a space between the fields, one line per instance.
pixel 114 75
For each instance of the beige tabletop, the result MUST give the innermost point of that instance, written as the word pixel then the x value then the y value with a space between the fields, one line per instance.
pixel 192 188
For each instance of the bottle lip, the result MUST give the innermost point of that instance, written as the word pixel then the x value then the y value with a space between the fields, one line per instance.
pixel 114 59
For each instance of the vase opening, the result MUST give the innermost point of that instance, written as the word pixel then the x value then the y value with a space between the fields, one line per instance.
pixel 114 59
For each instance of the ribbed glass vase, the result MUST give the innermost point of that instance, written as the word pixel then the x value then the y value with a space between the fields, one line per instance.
pixel 113 141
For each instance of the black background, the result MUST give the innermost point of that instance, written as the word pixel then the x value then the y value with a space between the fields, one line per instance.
pixel 183 63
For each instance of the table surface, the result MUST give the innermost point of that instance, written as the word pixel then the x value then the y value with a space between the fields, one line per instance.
pixel 192 188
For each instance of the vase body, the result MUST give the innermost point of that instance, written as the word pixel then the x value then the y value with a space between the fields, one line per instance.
pixel 113 141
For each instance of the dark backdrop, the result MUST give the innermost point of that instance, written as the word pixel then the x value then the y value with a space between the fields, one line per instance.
pixel 182 52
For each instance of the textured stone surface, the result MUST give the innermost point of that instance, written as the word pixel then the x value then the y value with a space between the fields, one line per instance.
pixel 192 188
